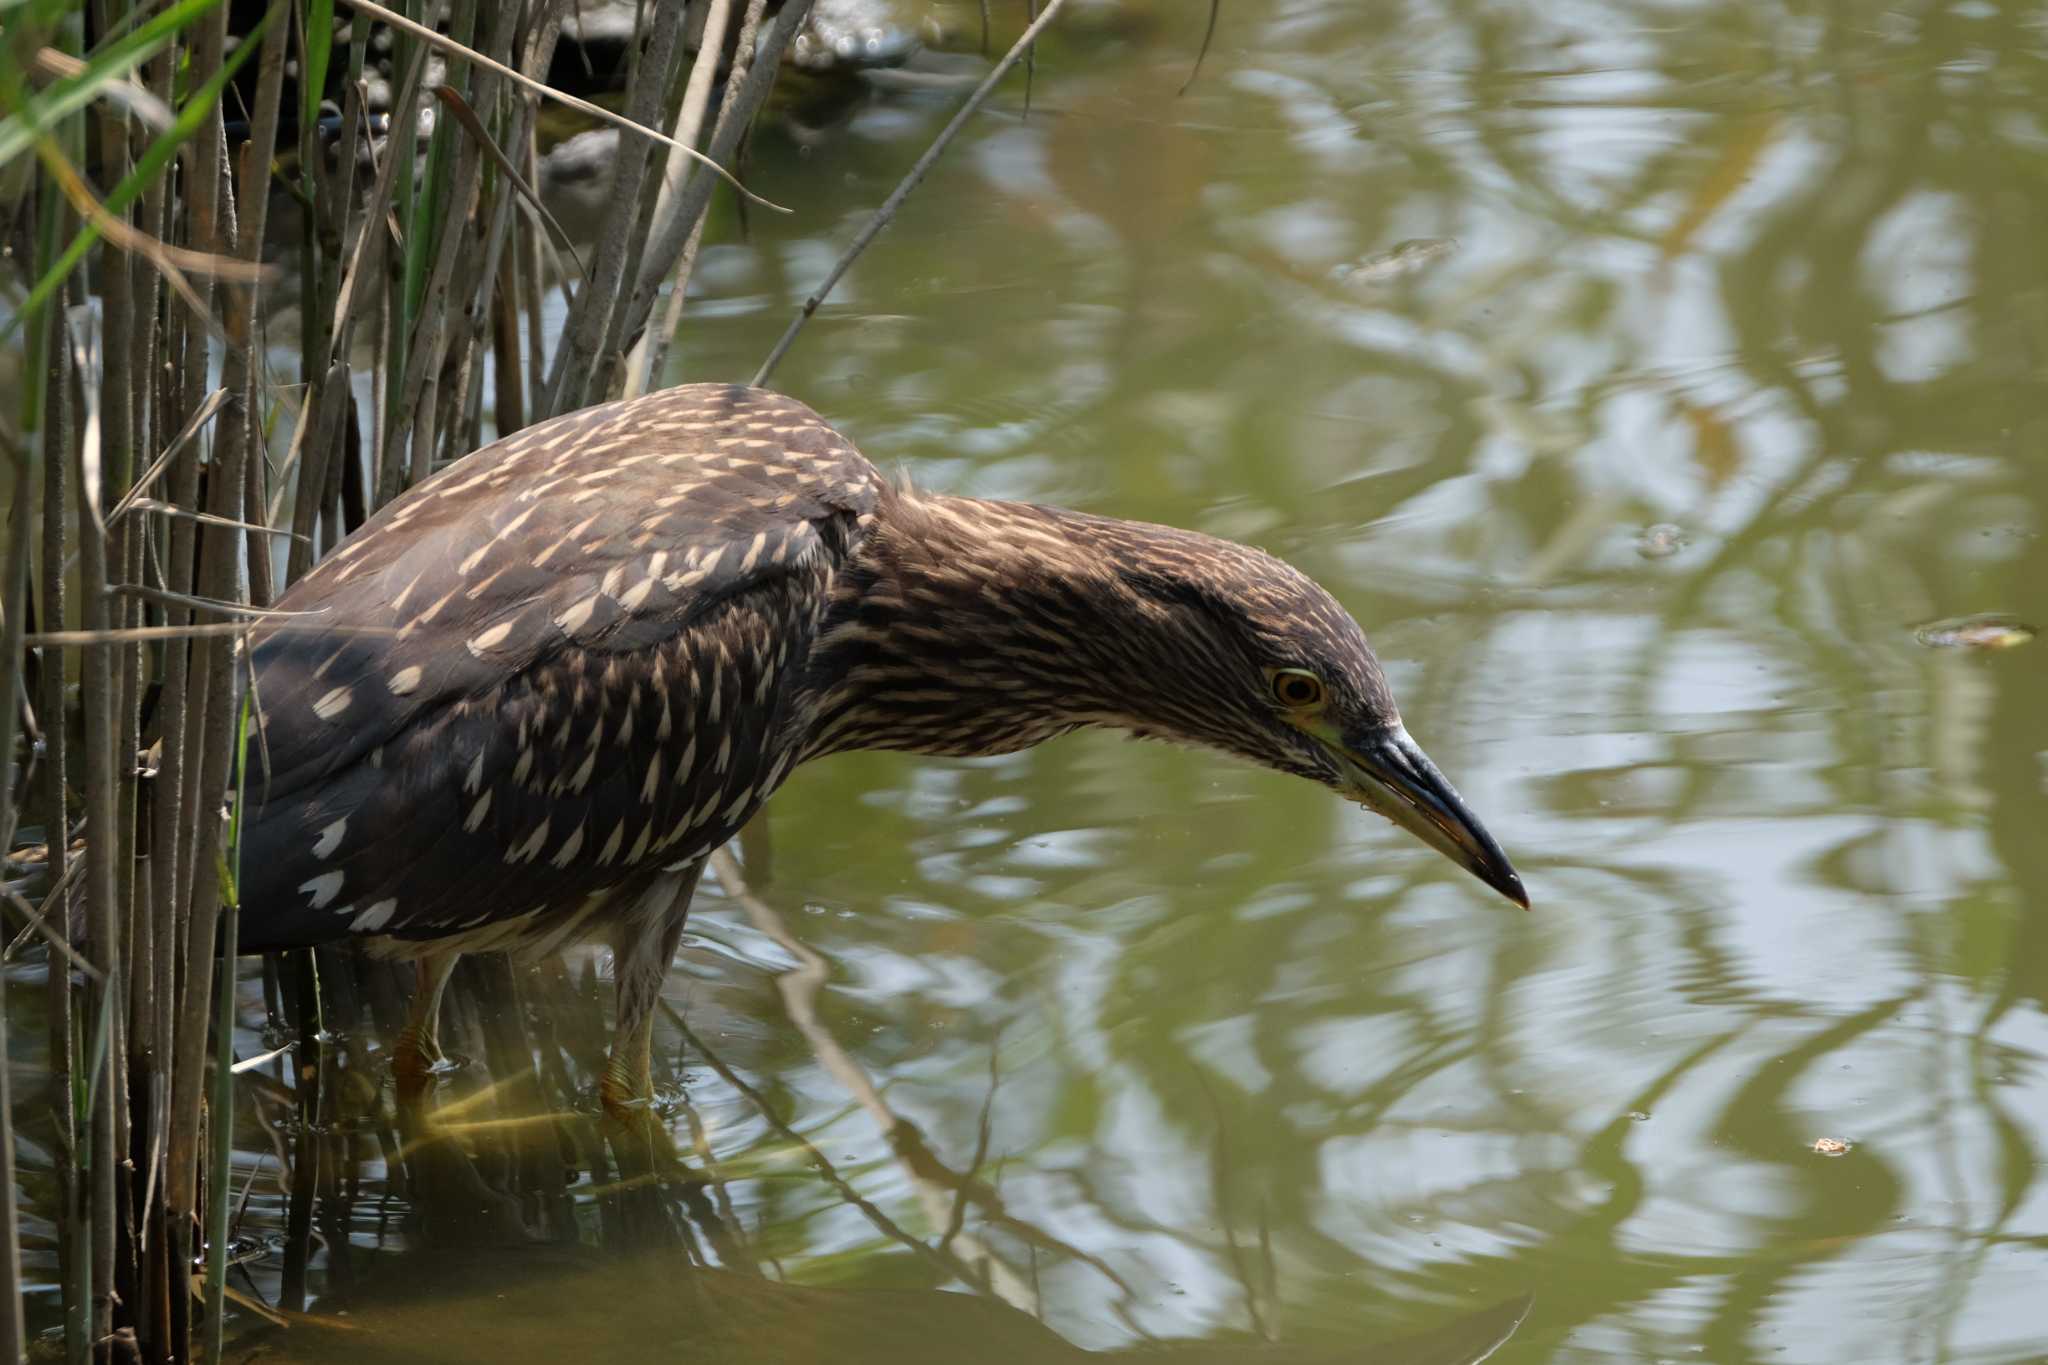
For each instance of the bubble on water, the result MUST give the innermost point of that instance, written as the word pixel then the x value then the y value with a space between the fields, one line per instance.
pixel 1660 541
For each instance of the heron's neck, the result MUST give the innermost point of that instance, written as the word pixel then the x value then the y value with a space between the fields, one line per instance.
pixel 968 627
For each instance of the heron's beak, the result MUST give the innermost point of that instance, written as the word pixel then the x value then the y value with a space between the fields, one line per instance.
pixel 1389 772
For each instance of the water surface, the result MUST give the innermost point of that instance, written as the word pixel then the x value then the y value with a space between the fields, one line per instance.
pixel 1641 376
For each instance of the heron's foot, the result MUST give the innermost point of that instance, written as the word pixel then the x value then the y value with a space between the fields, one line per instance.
pixel 646 1160
pixel 627 1094
pixel 417 1061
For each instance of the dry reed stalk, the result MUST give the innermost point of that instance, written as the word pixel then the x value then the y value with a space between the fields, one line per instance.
pixel 401 150
pixel 151 953
pixel 508 396
pixel 413 426
pixel 689 124
pixel 17 602
pixel 434 237
pixel 14 576
pixel 236 480
pixel 121 417
pixel 590 316
pixel 532 290
pixel 209 716
pixel 57 838
pixel 351 303
pixel 484 215
pixel 103 918
pixel 175 788
pixel 743 100
pixel 649 355
pixel 89 1048
pixel 494 288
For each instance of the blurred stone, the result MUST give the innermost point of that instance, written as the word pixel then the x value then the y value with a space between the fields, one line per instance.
pixel 854 34
pixel 592 55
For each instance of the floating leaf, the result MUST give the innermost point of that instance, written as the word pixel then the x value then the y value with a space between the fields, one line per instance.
pixel 1713 444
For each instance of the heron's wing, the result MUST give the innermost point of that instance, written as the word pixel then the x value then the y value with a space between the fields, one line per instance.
pixel 516 681
pixel 607 528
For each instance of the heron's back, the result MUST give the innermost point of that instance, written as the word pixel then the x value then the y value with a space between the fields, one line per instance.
pixel 560 664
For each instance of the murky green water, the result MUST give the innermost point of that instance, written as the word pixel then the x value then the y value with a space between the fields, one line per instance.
pixel 1736 374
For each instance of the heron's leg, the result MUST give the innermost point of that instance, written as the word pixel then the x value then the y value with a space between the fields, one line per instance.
pixel 643 946
pixel 418 1046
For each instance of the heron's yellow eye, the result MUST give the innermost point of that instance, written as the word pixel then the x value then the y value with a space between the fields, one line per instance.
pixel 1297 687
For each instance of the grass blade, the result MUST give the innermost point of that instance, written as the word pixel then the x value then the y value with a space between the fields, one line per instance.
pixel 111 65
pixel 319 33
pixel 204 102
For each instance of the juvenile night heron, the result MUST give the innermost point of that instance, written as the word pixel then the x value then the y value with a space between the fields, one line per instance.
pixel 533 694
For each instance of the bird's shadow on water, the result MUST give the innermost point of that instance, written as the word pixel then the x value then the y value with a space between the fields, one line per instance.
pixel 501 1212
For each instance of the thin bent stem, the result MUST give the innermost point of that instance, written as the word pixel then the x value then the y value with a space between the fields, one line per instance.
pixel 885 214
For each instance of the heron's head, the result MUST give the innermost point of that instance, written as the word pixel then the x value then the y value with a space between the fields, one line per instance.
pixel 1251 656
pixel 980 627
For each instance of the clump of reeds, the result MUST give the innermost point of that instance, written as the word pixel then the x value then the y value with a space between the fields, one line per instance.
pixel 176 451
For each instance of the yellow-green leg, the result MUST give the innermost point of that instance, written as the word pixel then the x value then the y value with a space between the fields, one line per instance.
pixel 417 1050
pixel 628 1081
pixel 643 946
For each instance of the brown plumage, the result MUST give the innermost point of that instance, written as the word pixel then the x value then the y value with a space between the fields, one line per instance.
pixel 524 702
